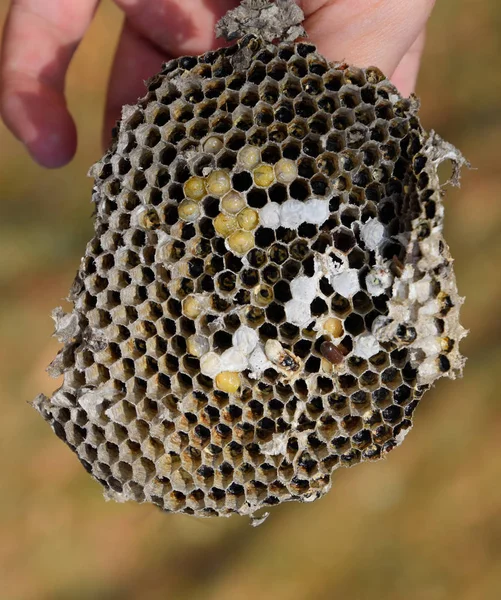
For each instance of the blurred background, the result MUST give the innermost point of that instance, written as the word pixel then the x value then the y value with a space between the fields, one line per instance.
pixel 423 524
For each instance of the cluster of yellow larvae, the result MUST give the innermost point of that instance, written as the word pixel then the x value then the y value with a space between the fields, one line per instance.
pixel 236 222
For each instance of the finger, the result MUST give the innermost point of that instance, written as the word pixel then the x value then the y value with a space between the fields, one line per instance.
pixel 366 32
pixel 406 73
pixel 136 60
pixel 40 39
pixel 178 26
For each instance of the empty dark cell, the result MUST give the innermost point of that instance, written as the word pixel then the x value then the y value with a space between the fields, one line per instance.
pixel 334 81
pixel 335 142
pixel 307 463
pixel 389 375
pixel 289 332
pixel 369 379
pixel 399 357
pixel 291 150
pixel 232 262
pixel 176 192
pixel 312 85
pixel 257 198
pixel 243 122
pixel 401 168
pixel 337 402
pixel 214 89
pixel 381 303
pixel 284 113
pixel 347 218
pixel 174 307
pixel 307 230
pixel 196 267
pixel 232 322
pixel 235 141
pixel 277 71
pixel 344 239
pixel 402 394
pixel 188 231
pixel 275 313
pixel 277 133
pixel 242 181
pixel 282 291
pixel 298 129
pixel 347 382
pixel 290 269
pixel 257 410
pixel 370 318
pixel 318 307
pixel 211 207
pixel 309 266
pixel 302 348
pixel 410 408
pixel 362 438
pixel 304 49
pixel 206 283
pixel 362 178
pixel 362 303
pixel 290 88
pixel 267 331
pixel 323 242
pixel 227 161
pixel 305 108
pixel 430 208
pixel 360 398
pixel 392 414
pixel 264 117
pixel 319 186
pixel 264 237
pixel 224 431
pixel 222 125
pixel 187 62
pixel 206 109
pixel 409 373
pixel 266 424
pixel 319 125
pixel 312 147
pixel 392 249
pixel 218 246
pixel 285 235
pixel 443 363
pixel 312 365
pixel 357 259
pixel 187 326
pixel 306 167
pixel 340 443
pixel 270 154
pixel 328 104
pixel 222 340
pixel 179 344
pixel 249 98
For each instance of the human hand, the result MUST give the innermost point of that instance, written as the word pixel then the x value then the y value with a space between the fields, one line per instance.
pixel 41 37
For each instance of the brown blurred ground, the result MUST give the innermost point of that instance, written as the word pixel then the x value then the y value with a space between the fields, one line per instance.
pixel 423 525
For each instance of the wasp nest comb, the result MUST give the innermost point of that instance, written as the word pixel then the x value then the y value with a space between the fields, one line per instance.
pixel 267 295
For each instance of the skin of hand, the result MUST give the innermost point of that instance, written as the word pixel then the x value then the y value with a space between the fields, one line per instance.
pixel 41 37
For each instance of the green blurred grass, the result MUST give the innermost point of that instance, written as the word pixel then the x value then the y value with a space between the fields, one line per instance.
pixel 423 525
